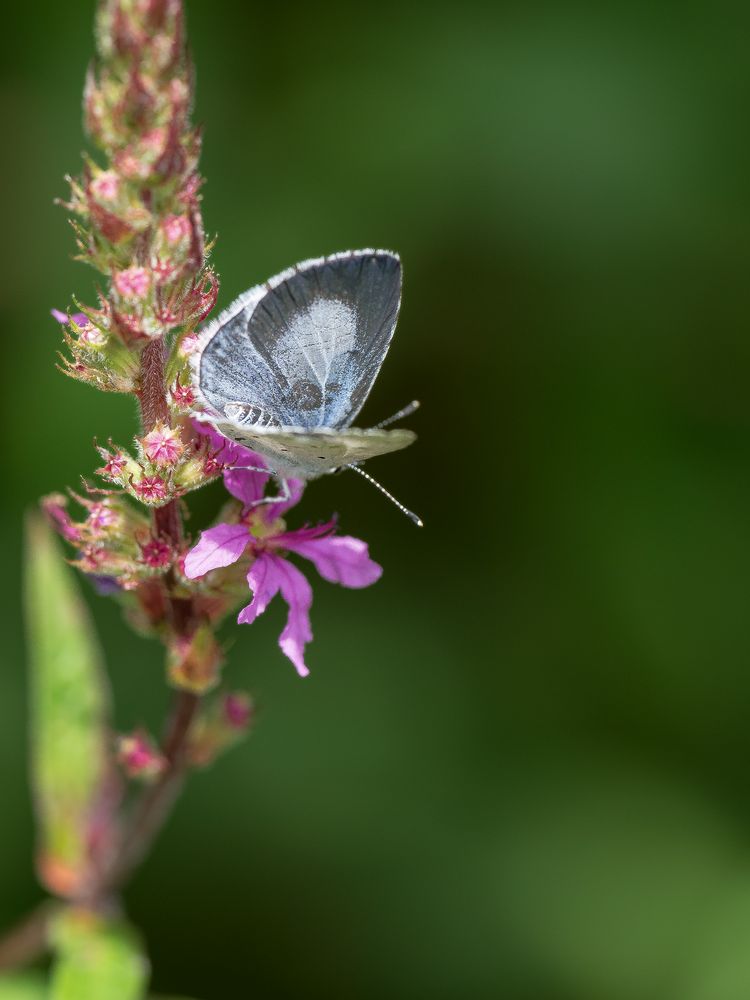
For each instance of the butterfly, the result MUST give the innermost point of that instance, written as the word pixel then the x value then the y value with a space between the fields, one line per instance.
pixel 288 366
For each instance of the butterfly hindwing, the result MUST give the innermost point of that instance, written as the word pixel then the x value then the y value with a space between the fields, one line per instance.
pixel 306 454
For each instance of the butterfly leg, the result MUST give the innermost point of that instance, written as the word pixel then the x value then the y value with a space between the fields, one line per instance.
pixel 282 496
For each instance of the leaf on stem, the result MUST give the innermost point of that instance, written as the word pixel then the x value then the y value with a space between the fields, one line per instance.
pixel 96 959
pixel 74 785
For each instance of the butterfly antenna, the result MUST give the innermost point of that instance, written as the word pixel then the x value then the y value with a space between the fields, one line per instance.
pixel 406 412
pixel 404 510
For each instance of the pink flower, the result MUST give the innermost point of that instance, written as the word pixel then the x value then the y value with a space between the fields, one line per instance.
pixel 238 710
pixel 101 516
pixel 162 446
pixel 106 186
pixel 183 395
pixel 138 756
pixel 151 489
pixel 133 283
pixel 114 465
pixel 261 532
pixel 130 165
pixel 188 344
pixel 156 553
pixel 176 228
pixel 155 139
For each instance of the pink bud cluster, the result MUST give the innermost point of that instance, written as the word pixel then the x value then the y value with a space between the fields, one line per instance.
pixel 114 540
pixel 136 217
pixel 168 463
pixel 137 214
pixel 138 756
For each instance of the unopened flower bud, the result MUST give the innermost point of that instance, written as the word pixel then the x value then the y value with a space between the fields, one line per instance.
pixel 105 186
pixel 131 166
pixel 134 283
pixel 189 194
pixel 129 328
pixel 138 756
pixel 163 271
pixel 93 104
pixel 54 506
pixel 111 226
pixel 188 344
pixel 212 466
pixel 176 228
pixel 194 662
pixel 194 471
pixel 222 724
pixel 87 333
pixel 237 710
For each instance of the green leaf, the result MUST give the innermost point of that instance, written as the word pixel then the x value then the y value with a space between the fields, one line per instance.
pixel 96 959
pixel 24 987
pixel 69 703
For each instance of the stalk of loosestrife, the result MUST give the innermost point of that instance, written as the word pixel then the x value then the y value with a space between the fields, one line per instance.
pixel 100 797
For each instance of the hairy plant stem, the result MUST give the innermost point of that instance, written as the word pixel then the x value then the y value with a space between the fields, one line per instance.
pixel 152 394
pixel 152 810
pixel 155 804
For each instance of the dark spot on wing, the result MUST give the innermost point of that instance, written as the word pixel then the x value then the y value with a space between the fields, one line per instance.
pixel 305 396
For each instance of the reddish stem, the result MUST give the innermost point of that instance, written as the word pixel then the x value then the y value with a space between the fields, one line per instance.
pixel 156 804
pixel 152 393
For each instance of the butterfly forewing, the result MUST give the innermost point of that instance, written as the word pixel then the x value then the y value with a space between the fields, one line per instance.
pixel 306 347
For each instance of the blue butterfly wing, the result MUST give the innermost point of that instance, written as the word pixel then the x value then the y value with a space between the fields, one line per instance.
pixel 304 349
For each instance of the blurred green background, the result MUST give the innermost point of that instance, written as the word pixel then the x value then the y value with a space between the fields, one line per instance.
pixel 519 768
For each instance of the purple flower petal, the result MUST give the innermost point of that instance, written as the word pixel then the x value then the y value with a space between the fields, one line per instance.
pixel 229 453
pixel 78 318
pixel 247 486
pixel 268 575
pixel 338 558
pixel 263 580
pixel 304 534
pixel 218 546
pixel 297 632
